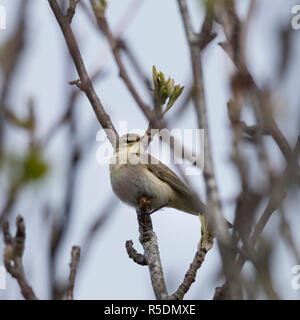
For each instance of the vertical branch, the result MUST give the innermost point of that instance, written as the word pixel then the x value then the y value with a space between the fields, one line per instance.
pixel 214 203
pixel 148 240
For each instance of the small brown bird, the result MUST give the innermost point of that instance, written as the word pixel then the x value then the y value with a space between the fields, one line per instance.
pixel 135 174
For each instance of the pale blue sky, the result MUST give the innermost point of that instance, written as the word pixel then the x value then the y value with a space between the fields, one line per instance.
pixel 156 35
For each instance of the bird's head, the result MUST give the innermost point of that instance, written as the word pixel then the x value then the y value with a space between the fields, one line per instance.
pixel 128 140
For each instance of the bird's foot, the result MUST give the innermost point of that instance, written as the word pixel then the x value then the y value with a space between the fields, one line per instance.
pixel 207 234
pixel 155 210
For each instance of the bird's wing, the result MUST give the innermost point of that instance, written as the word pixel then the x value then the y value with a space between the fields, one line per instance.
pixel 165 174
pixel 162 172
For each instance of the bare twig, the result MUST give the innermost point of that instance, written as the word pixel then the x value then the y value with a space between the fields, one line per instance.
pixel 71 10
pixel 75 258
pixel 134 255
pixel 190 275
pixel 13 254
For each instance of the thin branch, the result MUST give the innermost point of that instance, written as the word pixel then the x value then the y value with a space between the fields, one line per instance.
pixel 75 258
pixel 71 10
pixel 134 255
pixel 190 275
pixel 13 255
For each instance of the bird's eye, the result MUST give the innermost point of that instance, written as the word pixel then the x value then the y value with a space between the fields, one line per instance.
pixel 132 140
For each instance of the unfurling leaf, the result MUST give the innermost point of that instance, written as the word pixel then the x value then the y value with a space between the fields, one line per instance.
pixel 154 76
pixel 165 91
pixel 176 93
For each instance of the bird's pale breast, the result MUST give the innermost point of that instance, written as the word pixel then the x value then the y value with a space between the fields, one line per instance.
pixel 132 182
